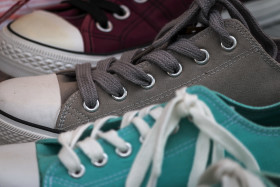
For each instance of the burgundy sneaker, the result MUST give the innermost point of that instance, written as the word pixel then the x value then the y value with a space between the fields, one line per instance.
pixel 77 31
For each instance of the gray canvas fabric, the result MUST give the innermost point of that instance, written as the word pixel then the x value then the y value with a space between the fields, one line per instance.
pixel 247 74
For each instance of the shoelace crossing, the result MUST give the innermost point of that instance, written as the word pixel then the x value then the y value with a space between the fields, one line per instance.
pixel 207 12
pixel 98 8
pixel 154 139
pixel 70 139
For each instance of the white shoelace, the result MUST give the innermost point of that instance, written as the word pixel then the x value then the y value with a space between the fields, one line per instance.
pixel 229 174
pixel 155 138
pixel 90 145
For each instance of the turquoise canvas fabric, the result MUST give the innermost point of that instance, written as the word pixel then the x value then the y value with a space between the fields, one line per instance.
pixel 258 128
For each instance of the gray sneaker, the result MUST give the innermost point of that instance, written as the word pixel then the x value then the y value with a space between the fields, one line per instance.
pixel 232 56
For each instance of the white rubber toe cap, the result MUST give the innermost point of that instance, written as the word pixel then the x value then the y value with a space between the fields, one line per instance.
pixel 33 99
pixel 50 29
pixel 19 165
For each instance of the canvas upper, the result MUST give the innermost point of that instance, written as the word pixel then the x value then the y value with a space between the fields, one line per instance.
pixel 70 27
pixel 248 73
pixel 165 145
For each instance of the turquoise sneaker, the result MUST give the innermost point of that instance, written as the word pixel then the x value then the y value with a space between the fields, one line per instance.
pixel 165 145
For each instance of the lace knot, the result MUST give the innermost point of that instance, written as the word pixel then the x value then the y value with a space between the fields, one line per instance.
pixel 189 102
pixel 228 168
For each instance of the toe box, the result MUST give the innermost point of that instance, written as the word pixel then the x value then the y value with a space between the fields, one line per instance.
pixel 19 165
pixel 49 29
pixel 35 99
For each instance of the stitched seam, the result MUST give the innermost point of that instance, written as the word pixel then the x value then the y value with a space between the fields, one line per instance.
pixel 47 179
pixel 243 122
pixel 170 91
pixel 122 174
pixel 114 180
pixel 192 141
pixel 268 60
pixel 214 101
pixel 51 178
pixel 57 180
pixel 65 183
pixel 183 146
pixel 190 82
pixel 230 122
pixel 66 108
pixel 252 41
pixel 54 168
pixel 76 113
pixel 244 33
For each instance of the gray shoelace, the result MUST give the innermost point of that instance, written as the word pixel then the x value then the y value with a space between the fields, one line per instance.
pixel 207 12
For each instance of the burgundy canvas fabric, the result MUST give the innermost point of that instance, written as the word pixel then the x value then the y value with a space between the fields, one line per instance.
pixel 139 29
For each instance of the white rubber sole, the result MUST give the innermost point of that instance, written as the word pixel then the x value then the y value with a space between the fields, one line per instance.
pixel 12 132
pixel 20 57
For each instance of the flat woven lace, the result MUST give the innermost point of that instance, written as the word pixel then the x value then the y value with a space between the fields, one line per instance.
pixel 151 153
pixel 97 9
pixel 108 72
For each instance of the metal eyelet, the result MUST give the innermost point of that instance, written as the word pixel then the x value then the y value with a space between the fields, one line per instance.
pixel 151 84
pixel 102 162
pixel 207 57
pixel 140 1
pixel 91 109
pixel 177 73
pixel 233 45
pixel 108 29
pixel 126 13
pixel 78 174
pixel 121 97
pixel 127 152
